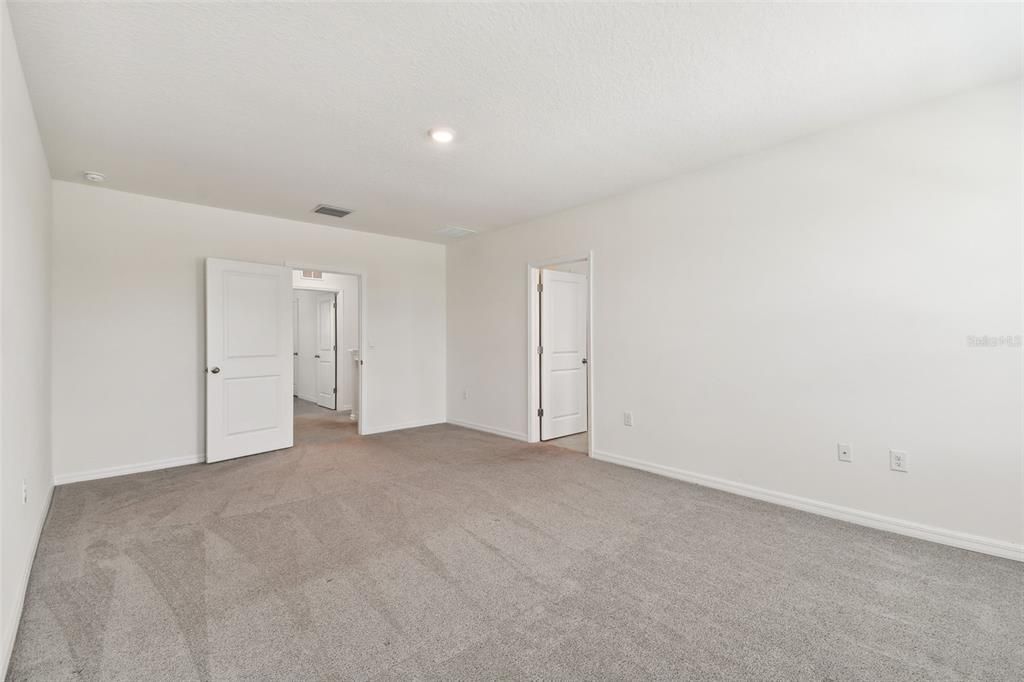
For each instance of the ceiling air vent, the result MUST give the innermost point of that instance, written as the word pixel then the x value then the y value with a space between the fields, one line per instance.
pixel 312 274
pixel 333 211
pixel 455 232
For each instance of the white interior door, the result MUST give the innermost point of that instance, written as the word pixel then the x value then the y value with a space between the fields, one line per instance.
pixel 248 358
pixel 326 344
pixel 563 357
pixel 295 346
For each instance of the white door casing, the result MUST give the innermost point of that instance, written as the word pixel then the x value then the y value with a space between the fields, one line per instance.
pixel 249 359
pixel 326 345
pixel 563 339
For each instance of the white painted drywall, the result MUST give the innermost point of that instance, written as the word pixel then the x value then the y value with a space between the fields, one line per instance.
pixel 555 103
pixel 25 344
pixel 348 324
pixel 753 314
pixel 129 324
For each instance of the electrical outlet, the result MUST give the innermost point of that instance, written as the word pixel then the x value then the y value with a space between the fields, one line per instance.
pixel 898 460
pixel 627 418
pixel 465 395
pixel 845 452
pixel 24 492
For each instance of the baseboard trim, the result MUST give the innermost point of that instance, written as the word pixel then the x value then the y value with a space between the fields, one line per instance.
pixel 488 429
pixel 126 469
pixel 975 543
pixel 19 604
pixel 400 427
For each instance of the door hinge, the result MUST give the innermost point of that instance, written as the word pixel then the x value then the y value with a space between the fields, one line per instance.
pixel 540 412
pixel 540 350
pixel 334 390
pixel 540 288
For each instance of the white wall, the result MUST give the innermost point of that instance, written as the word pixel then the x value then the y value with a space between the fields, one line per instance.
pixel 755 313
pixel 24 342
pixel 128 337
pixel 348 324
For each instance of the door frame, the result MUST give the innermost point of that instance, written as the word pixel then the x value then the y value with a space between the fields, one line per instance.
pixel 361 374
pixel 533 340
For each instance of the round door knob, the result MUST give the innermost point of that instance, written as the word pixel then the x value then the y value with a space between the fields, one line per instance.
pixel 316 356
pixel 215 370
pixel 584 361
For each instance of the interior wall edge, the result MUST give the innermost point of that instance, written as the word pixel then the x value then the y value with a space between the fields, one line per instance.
pixel 515 435
pixel 403 426
pixel 111 472
pixel 942 536
pixel 12 628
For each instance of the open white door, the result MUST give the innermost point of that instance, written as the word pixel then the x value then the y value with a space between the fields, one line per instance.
pixel 295 346
pixel 326 376
pixel 248 358
pixel 563 358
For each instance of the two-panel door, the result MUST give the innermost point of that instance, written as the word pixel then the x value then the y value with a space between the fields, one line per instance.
pixel 249 361
pixel 326 347
pixel 563 360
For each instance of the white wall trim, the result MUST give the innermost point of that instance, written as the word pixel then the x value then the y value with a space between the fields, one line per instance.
pixel 400 427
pixel 110 472
pixel 488 429
pixel 975 543
pixel 19 605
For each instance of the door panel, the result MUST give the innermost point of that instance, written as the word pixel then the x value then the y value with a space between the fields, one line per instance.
pixel 248 358
pixel 295 346
pixel 563 315
pixel 326 377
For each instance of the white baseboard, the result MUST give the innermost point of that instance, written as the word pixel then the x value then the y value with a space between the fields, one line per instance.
pixel 126 469
pixel 975 543
pixel 407 425
pixel 488 429
pixel 22 589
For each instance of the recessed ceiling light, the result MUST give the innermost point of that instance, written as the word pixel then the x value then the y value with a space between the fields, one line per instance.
pixel 442 135
pixel 93 176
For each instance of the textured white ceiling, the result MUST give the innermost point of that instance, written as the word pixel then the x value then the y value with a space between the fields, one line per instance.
pixel 274 108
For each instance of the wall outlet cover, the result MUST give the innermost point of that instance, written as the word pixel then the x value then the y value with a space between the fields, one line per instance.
pixel 898 460
pixel 627 418
pixel 845 452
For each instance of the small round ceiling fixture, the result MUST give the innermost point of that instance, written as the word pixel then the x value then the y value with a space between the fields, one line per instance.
pixel 93 176
pixel 442 135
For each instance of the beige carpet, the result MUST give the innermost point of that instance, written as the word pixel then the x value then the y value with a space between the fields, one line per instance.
pixel 442 553
pixel 577 442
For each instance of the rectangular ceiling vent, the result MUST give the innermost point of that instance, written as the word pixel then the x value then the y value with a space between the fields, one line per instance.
pixel 455 232
pixel 312 274
pixel 333 211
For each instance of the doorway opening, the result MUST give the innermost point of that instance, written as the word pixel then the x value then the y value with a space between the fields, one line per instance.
pixel 253 354
pixel 325 351
pixel 560 366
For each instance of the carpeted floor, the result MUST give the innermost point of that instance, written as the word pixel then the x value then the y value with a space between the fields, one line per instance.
pixel 443 553
pixel 577 442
